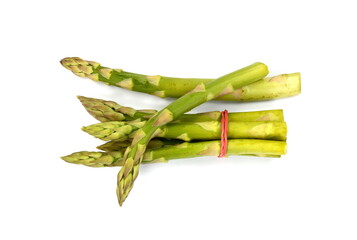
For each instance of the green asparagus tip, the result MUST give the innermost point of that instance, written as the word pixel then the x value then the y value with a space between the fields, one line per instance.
pixel 81 98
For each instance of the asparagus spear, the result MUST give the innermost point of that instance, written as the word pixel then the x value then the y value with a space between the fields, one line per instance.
pixel 284 85
pixel 153 144
pixel 105 111
pixel 188 131
pixel 113 130
pixel 255 147
pixel 200 94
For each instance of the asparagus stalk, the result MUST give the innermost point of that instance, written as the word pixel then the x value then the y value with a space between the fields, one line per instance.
pixel 284 85
pixel 153 144
pixel 280 86
pixel 188 131
pixel 254 147
pixel 105 111
pixel 200 94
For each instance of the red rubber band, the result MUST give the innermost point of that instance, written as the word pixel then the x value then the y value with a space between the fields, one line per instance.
pixel 224 134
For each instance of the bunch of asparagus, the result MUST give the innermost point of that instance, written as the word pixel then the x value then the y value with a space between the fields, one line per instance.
pixel 149 136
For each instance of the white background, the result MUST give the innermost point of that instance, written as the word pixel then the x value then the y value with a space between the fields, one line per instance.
pixel 308 194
